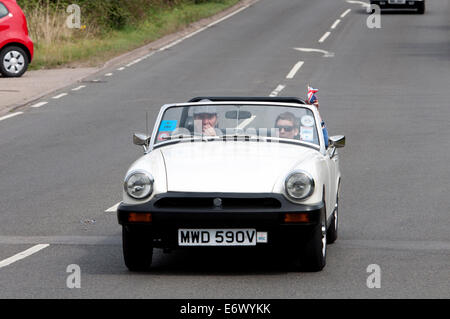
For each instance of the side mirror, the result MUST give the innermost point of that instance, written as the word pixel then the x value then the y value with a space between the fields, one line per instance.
pixel 141 140
pixel 337 141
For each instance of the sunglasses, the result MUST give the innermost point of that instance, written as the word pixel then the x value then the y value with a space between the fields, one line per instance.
pixel 286 128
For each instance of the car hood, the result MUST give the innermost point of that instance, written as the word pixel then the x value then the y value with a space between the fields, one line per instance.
pixel 250 167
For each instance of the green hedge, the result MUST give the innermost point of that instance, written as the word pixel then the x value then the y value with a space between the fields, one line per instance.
pixel 110 14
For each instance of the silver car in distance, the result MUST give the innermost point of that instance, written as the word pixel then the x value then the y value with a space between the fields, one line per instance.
pixel 246 172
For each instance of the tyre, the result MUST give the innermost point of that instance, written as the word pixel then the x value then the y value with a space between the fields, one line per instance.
pixel 137 248
pixel 310 254
pixel 315 249
pixel 13 61
pixel 332 231
pixel 421 7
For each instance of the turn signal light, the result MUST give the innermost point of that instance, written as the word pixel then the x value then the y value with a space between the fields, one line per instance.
pixel 141 217
pixel 296 218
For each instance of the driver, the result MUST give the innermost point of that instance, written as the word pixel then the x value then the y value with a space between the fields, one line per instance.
pixel 286 125
pixel 205 120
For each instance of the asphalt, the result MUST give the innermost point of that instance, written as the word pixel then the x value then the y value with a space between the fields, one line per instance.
pixel 386 90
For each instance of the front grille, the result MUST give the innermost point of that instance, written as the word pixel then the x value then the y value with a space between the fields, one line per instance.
pixel 210 203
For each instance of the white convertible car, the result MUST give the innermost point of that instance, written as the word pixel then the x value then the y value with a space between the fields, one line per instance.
pixel 233 171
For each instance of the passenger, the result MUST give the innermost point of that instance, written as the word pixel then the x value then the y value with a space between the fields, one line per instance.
pixel 205 120
pixel 286 125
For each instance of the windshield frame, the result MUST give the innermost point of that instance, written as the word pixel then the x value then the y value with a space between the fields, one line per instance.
pixel 320 147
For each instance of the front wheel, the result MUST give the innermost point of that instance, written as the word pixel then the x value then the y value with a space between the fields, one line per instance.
pixel 315 249
pixel 332 232
pixel 137 248
pixel 13 61
pixel 311 255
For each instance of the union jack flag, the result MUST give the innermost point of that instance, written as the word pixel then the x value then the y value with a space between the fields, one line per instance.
pixel 312 95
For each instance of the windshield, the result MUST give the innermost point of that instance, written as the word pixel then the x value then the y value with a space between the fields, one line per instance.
pixel 253 122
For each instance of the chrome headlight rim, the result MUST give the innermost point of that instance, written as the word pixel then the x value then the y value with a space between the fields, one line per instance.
pixel 311 180
pixel 135 172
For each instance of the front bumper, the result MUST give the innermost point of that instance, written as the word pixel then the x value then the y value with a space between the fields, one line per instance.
pixel 265 213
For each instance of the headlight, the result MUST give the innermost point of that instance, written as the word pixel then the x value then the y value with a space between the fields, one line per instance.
pixel 299 185
pixel 139 185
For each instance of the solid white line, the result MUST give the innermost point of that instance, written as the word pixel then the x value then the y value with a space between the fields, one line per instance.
pixel 79 88
pixel 10 115
pixel 22 255
pixel 59 96
pixel 324 37
pixel 39 104
pixel 202 29
pixel 295 70
pixel 346 12
pixel 277 90
pixel 335 24
pixel 113 209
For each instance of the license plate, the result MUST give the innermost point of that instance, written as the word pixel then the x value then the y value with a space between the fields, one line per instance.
pixel 396 1
pixel 219 237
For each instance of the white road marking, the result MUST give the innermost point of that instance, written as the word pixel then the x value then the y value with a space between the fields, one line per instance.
pixel 113 209
pixel 10 115
pixel 79 88
pixel 335 24
pixel 39 104
pixel 121 69
pixel 345 13
pixel 22 255
pixel 324 37
pixel 201 29
pixel 59 96
pixel 326 54
pixel 108 74
pixel 364 4
pixel 277 90
pixel 294 70
pixel 246 122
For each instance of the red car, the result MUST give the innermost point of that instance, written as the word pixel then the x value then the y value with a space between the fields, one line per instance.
pixel 16 47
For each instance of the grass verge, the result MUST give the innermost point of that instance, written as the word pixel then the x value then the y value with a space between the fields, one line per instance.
pixel 80 48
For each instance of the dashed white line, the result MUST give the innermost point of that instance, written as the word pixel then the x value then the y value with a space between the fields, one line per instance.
pixel 121 69
pixel 10 115
pixel 324 37
pixel 59 96
pixel 345 13
pixel 22 255
pixel 335 24
pixel 39 104
pixel 294 70
pixel 79 88
pixel 113 209
pixel 108 74
pixel 277 90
